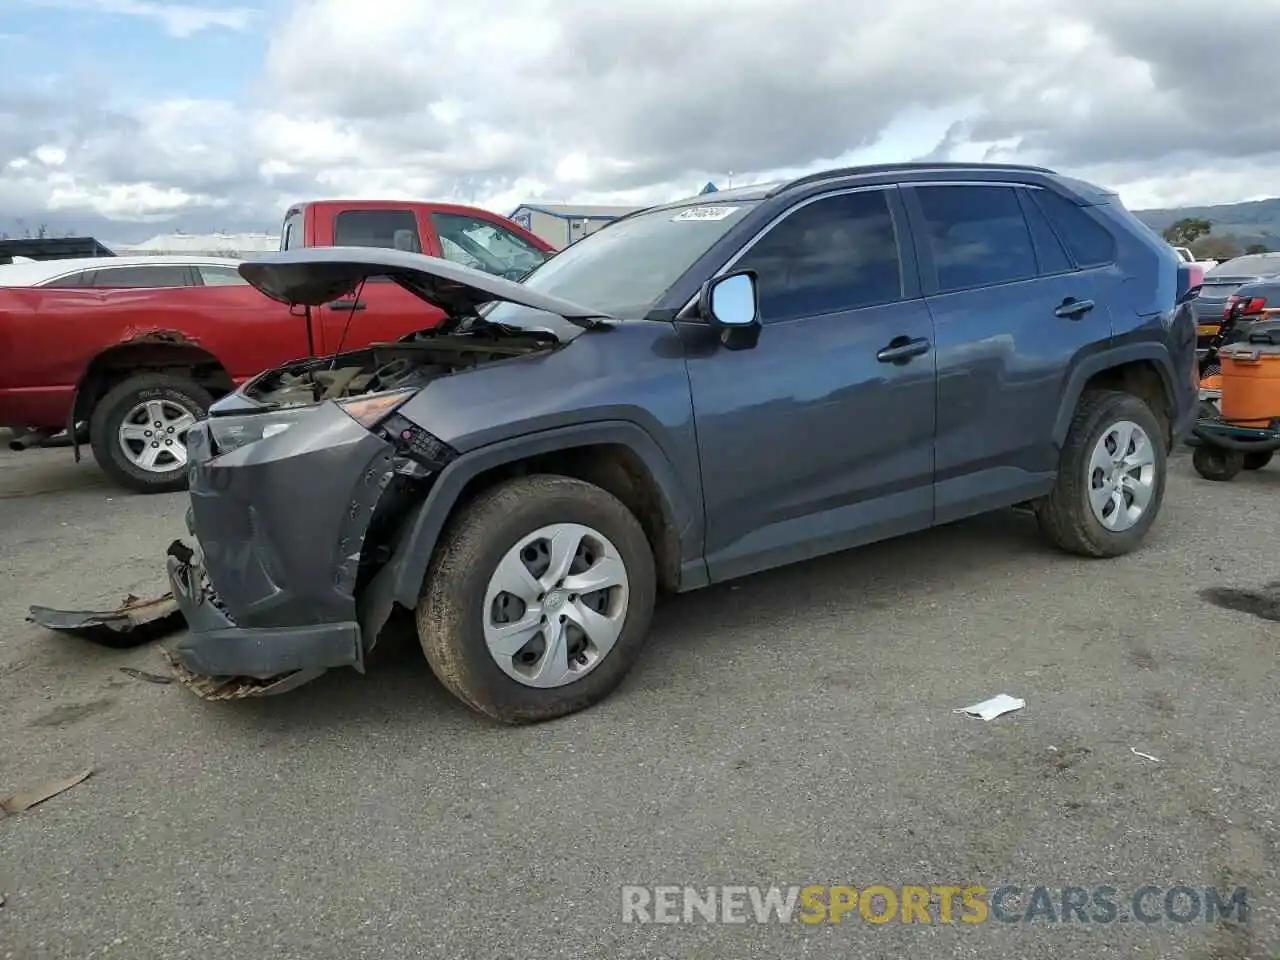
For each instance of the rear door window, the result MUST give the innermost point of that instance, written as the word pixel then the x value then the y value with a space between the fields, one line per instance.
pixel 214 276
pixel 1089 242
pixel 977 235
pixel 144 277
pixel 389 229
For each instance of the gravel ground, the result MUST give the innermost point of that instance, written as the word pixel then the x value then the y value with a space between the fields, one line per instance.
pixel 793 728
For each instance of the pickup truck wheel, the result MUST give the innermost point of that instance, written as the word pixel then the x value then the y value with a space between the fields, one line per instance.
pixel 138 431
pixel 538 599
pixel 1111 477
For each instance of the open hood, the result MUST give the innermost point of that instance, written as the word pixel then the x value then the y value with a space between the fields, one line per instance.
pixel 312 276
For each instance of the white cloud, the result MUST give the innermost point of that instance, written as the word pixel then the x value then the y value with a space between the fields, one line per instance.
pixel 641 100
pixel 179 20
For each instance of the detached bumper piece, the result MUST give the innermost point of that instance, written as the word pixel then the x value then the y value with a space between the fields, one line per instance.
pixel 222 660
pixel 134 623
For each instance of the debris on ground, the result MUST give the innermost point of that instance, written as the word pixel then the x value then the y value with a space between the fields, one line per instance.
pixel 26 799
pixel 143 675
pixel 132 624
pixel 1145 756
pixel 1263 603
pixel 238 688
pixel 997 706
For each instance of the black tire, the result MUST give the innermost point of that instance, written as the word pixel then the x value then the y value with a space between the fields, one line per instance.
pixel 1215 463
pixel 449 614
pixel 109 414
pixel 1065 515
pixel 1256 461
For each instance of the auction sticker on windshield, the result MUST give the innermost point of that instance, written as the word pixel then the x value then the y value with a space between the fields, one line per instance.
pixel 704 213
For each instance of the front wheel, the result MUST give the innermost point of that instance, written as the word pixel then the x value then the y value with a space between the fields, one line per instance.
pixel 1111 477
pixel 1256 461
pixel 538 599
pixel 139 431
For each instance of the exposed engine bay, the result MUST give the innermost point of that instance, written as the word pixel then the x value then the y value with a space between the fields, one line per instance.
pixel 411 362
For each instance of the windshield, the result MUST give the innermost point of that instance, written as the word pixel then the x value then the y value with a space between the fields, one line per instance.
pixel 625 268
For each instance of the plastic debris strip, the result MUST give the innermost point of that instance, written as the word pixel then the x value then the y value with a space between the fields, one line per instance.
pixel 145 676
pixel 132 624
pixel 1145 756
pixel 26 799
pixel 997 706
pixel 238 688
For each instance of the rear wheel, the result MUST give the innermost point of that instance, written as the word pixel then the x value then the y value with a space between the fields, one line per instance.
pixel 139 430
pixel 1215 463
pixel 1256 461
pixel 1111 477
pixel 538 599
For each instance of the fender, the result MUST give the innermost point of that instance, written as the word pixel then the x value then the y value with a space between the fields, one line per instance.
pixel 1107 360
pixel 400 581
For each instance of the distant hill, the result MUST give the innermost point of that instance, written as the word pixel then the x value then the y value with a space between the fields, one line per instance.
pixel 1257 221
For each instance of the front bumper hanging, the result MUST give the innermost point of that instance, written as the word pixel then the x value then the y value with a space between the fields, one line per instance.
pixel 221 660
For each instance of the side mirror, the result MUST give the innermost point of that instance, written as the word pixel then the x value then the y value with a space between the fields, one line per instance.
pixel 730 302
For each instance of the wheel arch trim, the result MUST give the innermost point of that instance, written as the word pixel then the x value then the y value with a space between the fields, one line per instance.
pixel 400 580
pixel 1109 359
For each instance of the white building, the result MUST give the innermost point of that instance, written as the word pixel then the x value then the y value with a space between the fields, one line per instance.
pixel 560 224
pixel 204 245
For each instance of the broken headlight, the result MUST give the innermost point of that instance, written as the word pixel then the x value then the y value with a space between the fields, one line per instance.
pixel 232 433
pixel 372 408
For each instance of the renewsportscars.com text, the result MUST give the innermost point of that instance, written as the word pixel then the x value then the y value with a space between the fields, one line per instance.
pixel 933 904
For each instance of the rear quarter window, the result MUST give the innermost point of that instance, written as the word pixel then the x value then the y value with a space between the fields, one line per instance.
pixel 1089 242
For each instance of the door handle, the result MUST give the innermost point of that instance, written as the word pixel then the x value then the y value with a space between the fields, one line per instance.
pixel 901 349
pixel 347 305
pixel 1073 309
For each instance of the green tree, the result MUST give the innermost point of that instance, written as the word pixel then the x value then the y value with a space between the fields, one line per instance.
pixel 1224 247
pixel 1188 230
pixel 1256 248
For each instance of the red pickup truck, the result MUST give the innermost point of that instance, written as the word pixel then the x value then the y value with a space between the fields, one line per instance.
pixel 126 353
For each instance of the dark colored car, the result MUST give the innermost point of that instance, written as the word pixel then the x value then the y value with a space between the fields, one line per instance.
pixel 1224 281
pixel 1259 300
pixel 696 392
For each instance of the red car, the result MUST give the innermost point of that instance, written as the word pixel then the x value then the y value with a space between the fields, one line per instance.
pixel 137 348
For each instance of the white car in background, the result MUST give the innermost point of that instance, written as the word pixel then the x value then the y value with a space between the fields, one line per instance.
pixel 1189 257
pixel 140 272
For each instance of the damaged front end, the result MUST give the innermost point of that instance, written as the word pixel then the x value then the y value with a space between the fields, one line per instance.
pixel 285 530
pixel 302 482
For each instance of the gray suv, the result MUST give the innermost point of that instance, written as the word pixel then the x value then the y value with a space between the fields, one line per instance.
pixel 697 392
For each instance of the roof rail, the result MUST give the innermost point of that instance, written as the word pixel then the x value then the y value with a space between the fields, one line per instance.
pixel 874 168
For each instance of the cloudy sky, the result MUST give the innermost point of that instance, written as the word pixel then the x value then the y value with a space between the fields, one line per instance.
pixel 124 118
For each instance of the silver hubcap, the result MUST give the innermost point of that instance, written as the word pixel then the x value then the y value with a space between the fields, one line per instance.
pixel 555 605
pixel 1122 476
pixel 153 435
